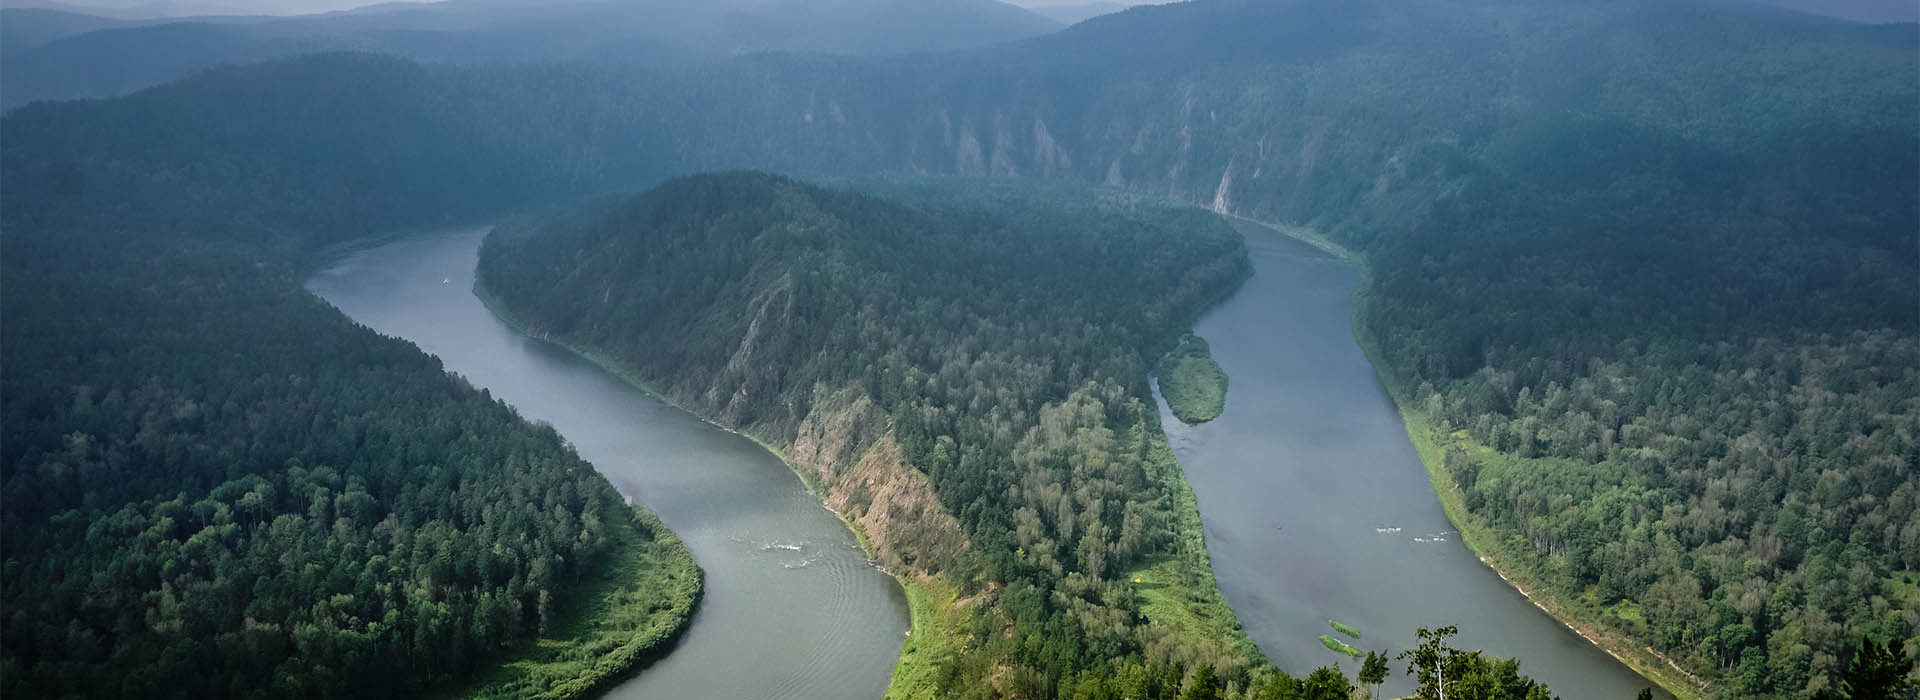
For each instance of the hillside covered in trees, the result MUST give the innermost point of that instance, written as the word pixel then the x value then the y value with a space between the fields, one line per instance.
pixel 1642 273
pixel 214 485
pixel 965 376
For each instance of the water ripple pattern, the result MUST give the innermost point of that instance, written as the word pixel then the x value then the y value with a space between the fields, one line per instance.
pixel 793 609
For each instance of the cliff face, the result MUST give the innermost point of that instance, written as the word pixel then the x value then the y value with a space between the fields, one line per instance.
pixel 957 369
pixel 848 446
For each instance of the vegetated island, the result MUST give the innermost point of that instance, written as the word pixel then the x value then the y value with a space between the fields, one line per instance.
pixel 1193 383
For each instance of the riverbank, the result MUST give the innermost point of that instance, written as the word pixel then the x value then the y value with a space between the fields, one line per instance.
pixel 937 623
pixel 1511 568
pixel 632 610
pixel 1481 542
pixel 1487 545
pixel 1182 592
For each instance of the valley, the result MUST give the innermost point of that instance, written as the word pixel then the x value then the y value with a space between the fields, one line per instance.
pixel 778 566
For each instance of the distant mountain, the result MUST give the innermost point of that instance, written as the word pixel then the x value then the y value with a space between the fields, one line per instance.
pixel 1647 266
pixel 30 28
pixel 1868 11
pixel 67 56
pixel 1075 13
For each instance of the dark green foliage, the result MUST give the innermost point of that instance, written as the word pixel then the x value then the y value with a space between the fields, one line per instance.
pixel 1878 671
pixel 627 613
pixel 1194 385
pixel 1373 671
pixel 1444 672
pixel 1660 258
pixel 214 485
pixel 999 335
pixel 1204 686
pixel 308 511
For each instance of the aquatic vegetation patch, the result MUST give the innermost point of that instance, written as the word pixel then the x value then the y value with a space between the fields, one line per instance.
pixel 1344 628
pixel 1340 646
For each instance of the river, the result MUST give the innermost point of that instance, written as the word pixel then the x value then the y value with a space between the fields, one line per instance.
pixel 793 609
pixel 1316 507
pixel 1314 503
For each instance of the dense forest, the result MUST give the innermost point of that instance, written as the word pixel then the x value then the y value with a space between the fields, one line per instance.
pixel 990 339
pixel 215 485
pixel 1642 273
pixel 988 336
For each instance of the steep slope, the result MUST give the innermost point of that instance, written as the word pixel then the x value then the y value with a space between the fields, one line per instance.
pixel 964 383
pixel 1570 214
pixel 1650 266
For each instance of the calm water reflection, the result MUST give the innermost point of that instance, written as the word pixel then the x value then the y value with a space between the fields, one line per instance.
pixel 1316 507
pixel 792 610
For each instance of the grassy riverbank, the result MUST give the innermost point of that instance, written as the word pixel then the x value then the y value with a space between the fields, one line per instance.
pixel 1179 593
pixel 1193 383
pixel 1480 539
pixel 1586 620
pixel 939 634
pixel 612 624
pixel 1512 567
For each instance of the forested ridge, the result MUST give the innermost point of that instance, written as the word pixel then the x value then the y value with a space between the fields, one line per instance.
pixel 215 485
pixel 988 338
pixel 991 337
pixel 1648 268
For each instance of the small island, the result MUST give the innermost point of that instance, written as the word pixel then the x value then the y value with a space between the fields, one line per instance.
pixel 1194 385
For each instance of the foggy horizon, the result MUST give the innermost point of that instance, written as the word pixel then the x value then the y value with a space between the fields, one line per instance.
pixel 1865 11
pixel 155 9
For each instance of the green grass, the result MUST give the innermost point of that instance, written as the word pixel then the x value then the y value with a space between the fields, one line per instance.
pixel 1478 538
pixel 1344 628
pixel 1194 385
pixel 1514 567
pixel 939 634
pixel 1178 592
pixel 1340 646
pixel 626 615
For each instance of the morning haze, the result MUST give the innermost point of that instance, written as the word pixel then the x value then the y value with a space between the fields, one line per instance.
pixel 929 349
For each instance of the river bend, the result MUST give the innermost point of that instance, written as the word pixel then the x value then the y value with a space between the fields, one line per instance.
pixel 793 609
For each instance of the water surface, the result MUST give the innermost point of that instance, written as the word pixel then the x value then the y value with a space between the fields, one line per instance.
pixel 793 609
pixel 1316 506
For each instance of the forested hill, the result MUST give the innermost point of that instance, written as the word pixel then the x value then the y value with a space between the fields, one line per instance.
pixel 965 377
pixel 54 55
pixel 1648 267
pixel 214 485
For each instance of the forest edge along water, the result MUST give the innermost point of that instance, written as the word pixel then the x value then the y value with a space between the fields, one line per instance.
pixel 1316 505
pixel 779 567
pixel 742 514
